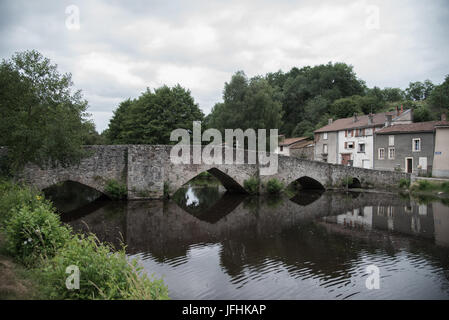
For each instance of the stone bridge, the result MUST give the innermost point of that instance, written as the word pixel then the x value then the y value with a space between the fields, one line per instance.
pixel 148 173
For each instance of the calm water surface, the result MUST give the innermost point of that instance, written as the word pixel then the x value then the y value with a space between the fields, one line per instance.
pixel 209 244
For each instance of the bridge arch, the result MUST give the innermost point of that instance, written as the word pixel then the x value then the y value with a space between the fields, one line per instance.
pixel 98 187
pixel 225 179
pixel 307 182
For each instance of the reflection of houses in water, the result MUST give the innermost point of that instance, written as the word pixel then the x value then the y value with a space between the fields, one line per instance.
pixel 360 218
pixel 441 220
pixel 407 219
pixel 426 220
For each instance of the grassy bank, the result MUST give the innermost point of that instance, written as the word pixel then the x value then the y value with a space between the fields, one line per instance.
pixel 426 190
pixel 36 250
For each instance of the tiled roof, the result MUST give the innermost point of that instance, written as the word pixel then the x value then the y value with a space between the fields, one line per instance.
pixel 362 122
pixel 289 141
pixel 428 126
pixel 302 144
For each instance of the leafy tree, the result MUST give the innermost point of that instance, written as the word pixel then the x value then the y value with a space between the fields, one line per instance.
pixel 42 119
pixel 439 97
pixel 330 81
pixel 346 107
pixel 304 129
pixel 150 118
pixel 248 103
pixel 422 113
pixel 393 94
pixel 419 90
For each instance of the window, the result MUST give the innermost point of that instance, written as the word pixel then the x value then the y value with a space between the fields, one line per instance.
pixel 361 147
pixel 350 145
pixel 391 153
pixel 391 140
pixel 281 148
pixel 325 136
pixel 381 154
pixel 325 148
pixel 416 144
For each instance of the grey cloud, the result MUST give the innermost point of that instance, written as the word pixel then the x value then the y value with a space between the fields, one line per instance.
pixel 124 47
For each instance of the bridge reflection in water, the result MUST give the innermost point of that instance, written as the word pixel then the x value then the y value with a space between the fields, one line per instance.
pixel 314 245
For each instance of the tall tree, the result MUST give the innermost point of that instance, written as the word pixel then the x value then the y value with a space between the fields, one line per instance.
pixel 439 97
pixel 42 118
pixel 248 103
pixel 150 118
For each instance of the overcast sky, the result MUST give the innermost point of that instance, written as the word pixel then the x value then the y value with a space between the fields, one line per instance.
pixel 122 47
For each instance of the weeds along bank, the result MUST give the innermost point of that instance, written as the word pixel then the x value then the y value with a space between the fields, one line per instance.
pixel 35 237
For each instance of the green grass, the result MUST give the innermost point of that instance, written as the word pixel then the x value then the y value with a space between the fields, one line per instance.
pixel 430 186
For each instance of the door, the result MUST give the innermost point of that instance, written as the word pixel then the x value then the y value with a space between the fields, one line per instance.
pixel 409 162
pixel 345 157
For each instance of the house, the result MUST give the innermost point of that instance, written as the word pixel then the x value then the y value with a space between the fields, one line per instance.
pixel 301 147
pixel 350 141
pixel 409 147
pixel 441 154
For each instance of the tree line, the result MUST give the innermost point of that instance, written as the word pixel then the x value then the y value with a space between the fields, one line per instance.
pixel 44 120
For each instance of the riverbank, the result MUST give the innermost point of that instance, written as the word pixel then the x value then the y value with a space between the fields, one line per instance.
pixel 16 283
pixel 36 250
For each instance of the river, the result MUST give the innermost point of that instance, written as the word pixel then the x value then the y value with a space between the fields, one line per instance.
pixel 209 244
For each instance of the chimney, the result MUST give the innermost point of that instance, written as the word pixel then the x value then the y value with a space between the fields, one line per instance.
pixel 389 120
pixel 443 117
pixel 330 121
pixel 402 109
pixel 397 111
pixel 370 119
pixel 355 117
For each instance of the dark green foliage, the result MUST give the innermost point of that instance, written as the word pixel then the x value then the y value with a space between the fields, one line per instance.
pixel 150 118
pixel 274 186
pixel 34 234
pixel 248 103
pixel 42 119
pixel 104 273
pixel 116 190
pixel 251 185
pixel 439 97
pixel 404 183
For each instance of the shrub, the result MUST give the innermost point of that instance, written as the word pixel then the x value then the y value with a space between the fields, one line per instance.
pixel 33 234
pixel 404 183
pixel 274 186
pixel 104 274
pixel 116 190
pixel 251 185
pixel 424 185
pixel 14 196
pixel 347 181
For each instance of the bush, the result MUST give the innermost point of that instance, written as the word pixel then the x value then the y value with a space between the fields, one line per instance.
pixel 103 274
pixel 347 181
pixel 33 234
pixel 116 190
pixel 274 186
pixel 251 185
pixel 404 183
pixel 14 196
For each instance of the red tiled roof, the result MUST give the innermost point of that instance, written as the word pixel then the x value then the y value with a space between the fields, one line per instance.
pixel 362 122
pixel 289 141
pixel 428 126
